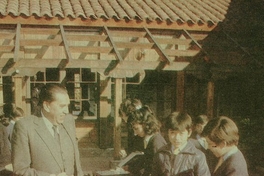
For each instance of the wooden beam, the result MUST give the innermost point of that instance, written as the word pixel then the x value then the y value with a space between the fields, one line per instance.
pixel 96 38
pixel 40 30
pixel 111 41
pixel 156 24
pixel 7 48
pixel 66 46
pixel 159 50
pixel 91 49
pixel 40 42
pixel 174 41
pixel 189 35
pixel 7 35
pixel 181 53
pixel 118 119
pixel 17 44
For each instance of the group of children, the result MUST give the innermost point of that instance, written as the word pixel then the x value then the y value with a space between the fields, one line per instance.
pixel 194 147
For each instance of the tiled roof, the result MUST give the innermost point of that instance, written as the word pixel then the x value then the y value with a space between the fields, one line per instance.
pixel 195 11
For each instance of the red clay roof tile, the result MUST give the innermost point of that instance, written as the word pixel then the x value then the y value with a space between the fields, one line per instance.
pixel 195 11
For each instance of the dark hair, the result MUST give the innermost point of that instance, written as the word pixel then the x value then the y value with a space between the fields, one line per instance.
pixel 48 92
pixel 221 129
pixel 129 105
pixel 179 121
pixel 146 118
pixel 8 110
pixel 201 119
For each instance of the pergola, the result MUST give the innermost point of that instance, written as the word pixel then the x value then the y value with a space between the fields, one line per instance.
pixel 115 38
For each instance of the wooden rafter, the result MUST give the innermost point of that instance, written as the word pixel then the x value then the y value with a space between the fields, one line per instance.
pixel 17 44
pixel 157 46
pixel 66 46
pixel 195 41
pixel 120 59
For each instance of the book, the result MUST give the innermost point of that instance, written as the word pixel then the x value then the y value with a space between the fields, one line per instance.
pixel 129 158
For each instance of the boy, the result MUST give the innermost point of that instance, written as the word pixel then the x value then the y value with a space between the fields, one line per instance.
pixel 179 157
pixel 222 137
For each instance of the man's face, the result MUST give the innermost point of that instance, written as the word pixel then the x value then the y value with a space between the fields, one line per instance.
pixel 58 108
pixel 138 130
pixel 178 138
pixel 217 150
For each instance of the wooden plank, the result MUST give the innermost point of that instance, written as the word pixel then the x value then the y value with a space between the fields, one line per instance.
pixel 17 44
pixel 7 35
pixel 174 41
pixel 128 33
pixel 159 50
pixel 66 46
pixel 90 49
pixel 40 42
pixel 111 41
pixel 186 53
pixel 99 38
pixel 134 45
pixel 7 48
pixel 41 31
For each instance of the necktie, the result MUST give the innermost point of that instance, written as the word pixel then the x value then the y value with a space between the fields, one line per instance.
pixel 56 134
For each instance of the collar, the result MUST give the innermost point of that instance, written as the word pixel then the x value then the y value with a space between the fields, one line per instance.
pixel 12 121
pixel 48 124
pixel 147 138
pixel 180 149
pixel 231 152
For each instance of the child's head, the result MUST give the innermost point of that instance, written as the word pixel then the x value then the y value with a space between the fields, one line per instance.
pixel 144 122
pixel 199 123
pixel 179 126
pixel 128 106
pixel 221 133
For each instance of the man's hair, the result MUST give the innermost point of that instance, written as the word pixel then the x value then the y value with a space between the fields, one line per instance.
pixel 9 109
pixel 179 121
pixel 146 118
pixel 221 129
pixel 48 92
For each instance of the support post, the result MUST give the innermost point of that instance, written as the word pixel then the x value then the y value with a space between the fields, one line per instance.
pixel 18 91
pixel 118 120
pixel 210 99
pixel 180 91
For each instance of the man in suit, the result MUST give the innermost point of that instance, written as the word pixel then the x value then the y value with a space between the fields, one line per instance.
pixel 5 154
pixel 45 145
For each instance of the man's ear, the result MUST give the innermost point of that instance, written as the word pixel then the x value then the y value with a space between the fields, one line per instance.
pixel 46 106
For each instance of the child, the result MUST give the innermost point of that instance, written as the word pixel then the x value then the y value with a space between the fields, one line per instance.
pixel 146 126
pixel 199 142
pixel 179 157
pixel 222 137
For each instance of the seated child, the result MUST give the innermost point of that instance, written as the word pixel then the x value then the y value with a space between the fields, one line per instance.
pixel 179 157
pixel 222 137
